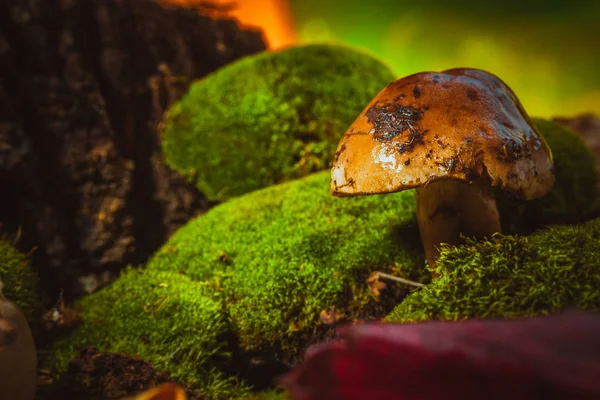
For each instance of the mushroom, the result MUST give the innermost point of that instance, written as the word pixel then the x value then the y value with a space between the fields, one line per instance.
pixel 451 135
pixel 18 359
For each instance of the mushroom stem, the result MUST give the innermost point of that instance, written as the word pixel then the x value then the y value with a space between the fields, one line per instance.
pixel 448 208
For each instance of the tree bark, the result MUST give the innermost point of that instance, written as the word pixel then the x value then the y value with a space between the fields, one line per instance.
pixel 83 85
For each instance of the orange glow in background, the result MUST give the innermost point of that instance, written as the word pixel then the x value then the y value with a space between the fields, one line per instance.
pixel 546 51
pixel 273 17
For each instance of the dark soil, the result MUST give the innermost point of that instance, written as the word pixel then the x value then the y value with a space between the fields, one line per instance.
pixel 102 376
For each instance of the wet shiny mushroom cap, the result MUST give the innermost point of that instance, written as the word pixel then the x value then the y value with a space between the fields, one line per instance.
pixel 461 123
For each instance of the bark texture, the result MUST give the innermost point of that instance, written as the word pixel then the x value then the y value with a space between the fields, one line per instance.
pixel 83 85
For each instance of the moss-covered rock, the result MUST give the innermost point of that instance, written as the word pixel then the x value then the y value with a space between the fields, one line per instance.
pixel 269 117
pixel 281 256
pixel 20 282
pixel 574 196
pixel 250 279
pixel 163 317
pixel 511 276
pixel 256 272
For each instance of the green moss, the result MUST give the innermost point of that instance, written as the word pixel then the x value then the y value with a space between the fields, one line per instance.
pixel 512 276
pixel 282 255
pixel 574 195
pixel 251 276
pixel 541 273
pixel 20 282
pixel 269 117
pixel 163 317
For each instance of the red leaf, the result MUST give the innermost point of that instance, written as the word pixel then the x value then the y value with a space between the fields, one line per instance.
pixel 553 357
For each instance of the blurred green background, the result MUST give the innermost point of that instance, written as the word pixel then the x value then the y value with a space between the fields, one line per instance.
pixel 548 51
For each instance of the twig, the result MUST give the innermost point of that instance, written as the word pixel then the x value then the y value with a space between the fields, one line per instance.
pixel 169 357
pixel 398 279
pixel 18 237
pixel 33 249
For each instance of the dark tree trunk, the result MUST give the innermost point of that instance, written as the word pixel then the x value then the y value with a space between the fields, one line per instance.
pixel 83 85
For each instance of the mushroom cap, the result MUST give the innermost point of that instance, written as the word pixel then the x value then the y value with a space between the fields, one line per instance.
pixel 18 357
pixel 461 123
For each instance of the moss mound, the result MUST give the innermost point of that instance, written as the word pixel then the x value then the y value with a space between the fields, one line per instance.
pixel 278 257
pixel 269 117
pixel 20 282
pixel 163 317
pixel 255 272
pixel 511 276
pixel 574 195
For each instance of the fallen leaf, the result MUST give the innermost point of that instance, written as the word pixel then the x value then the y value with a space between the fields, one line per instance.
pixel 555 357
pixel 293 327
pixel 330 317
pixel 60 316
pixel 374 284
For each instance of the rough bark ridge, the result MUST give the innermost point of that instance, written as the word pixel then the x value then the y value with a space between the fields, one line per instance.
pixel 83 84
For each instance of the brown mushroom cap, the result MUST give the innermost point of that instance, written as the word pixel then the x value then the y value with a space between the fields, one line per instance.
pixel 461 123
pixel 18 357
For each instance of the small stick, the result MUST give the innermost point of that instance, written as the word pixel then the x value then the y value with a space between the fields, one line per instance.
pixel 398 279
pixel 18 237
